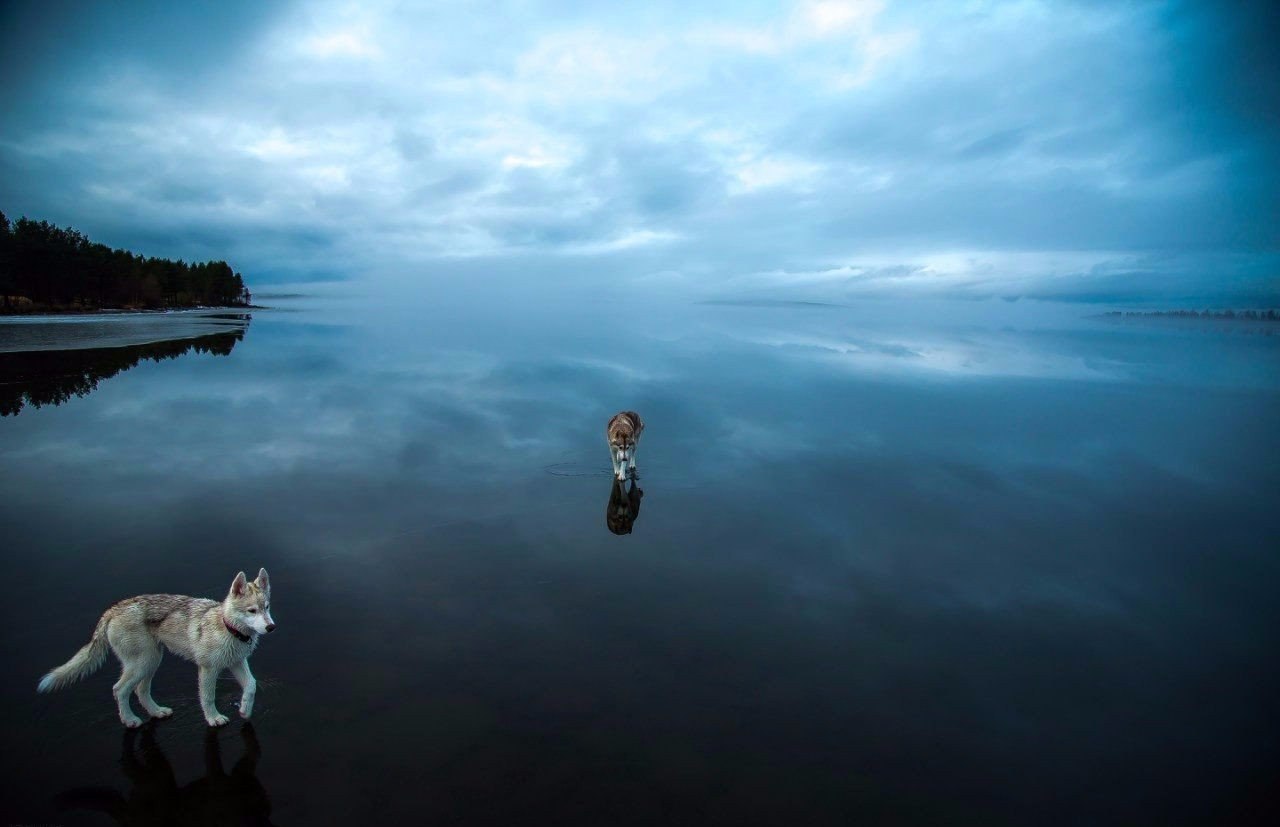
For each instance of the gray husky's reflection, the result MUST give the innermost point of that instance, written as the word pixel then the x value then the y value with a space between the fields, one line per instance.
pixel 220 798
pixel 624 506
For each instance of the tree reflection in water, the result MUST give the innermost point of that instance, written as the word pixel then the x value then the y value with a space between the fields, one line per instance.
pixel 52 377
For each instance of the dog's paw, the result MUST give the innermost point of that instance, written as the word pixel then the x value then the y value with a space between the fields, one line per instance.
pixel 246 710
pixel 218 720
pixel 162 712
pixel 132 723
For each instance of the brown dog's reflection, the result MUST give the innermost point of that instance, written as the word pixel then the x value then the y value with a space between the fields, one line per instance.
pixel 624 506
pixel 155 797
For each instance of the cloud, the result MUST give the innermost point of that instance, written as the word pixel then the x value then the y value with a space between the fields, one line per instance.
pixel 719 142
pixel 339 44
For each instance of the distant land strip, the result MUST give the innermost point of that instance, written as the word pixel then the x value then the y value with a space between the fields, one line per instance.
pixel 47 269
pixel 1246 315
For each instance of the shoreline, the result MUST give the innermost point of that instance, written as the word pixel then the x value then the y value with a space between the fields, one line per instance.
pixel 103 332
pixel 125 311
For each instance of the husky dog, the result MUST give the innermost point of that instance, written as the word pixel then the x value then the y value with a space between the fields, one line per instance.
pixel 215 635
pixel 623 433
pixel 624 507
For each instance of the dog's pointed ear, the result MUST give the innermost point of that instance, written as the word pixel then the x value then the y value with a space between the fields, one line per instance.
pixel 238 585
pixel 262 581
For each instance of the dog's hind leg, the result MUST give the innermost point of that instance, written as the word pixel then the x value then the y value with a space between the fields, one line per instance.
pixel 129 678
pixel 143 689
pixel 133 665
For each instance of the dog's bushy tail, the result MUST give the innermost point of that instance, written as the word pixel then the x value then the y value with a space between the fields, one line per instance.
pixel 83 663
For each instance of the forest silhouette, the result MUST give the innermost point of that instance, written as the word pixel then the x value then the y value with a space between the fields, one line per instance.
pixel 44 268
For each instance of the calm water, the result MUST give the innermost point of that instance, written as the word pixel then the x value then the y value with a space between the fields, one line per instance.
pixel 896 563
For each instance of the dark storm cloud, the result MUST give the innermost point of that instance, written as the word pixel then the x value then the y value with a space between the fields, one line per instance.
pixel 50 48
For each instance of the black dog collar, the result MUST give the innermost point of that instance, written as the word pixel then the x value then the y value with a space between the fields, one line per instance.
pixel 240 636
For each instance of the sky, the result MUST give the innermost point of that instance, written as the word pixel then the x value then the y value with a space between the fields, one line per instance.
pixel 1091 151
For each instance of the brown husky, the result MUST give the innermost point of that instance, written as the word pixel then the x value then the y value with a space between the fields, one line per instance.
pixel 215 635
pixel 623 433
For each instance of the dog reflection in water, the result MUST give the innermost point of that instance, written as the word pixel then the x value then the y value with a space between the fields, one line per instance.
pixel 624 506
pixel 155 798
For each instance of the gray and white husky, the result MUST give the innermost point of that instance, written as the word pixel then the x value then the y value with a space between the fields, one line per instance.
pixel 623 433
pixel 215 635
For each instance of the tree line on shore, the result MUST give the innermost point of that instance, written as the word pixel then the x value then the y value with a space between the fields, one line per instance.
pixel 44 268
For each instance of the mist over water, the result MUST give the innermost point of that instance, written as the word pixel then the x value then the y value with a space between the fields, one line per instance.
pixel 900 562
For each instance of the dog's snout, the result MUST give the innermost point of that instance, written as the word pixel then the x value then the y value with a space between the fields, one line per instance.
pixel 271 627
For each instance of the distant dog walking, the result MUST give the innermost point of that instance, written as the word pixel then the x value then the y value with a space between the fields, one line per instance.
pixel 623 433
pixel 215 635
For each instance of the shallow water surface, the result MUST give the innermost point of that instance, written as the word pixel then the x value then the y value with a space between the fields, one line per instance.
pixel 896 563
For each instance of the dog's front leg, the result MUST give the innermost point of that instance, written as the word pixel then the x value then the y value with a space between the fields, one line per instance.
pixel 208 690
pixel 248 684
